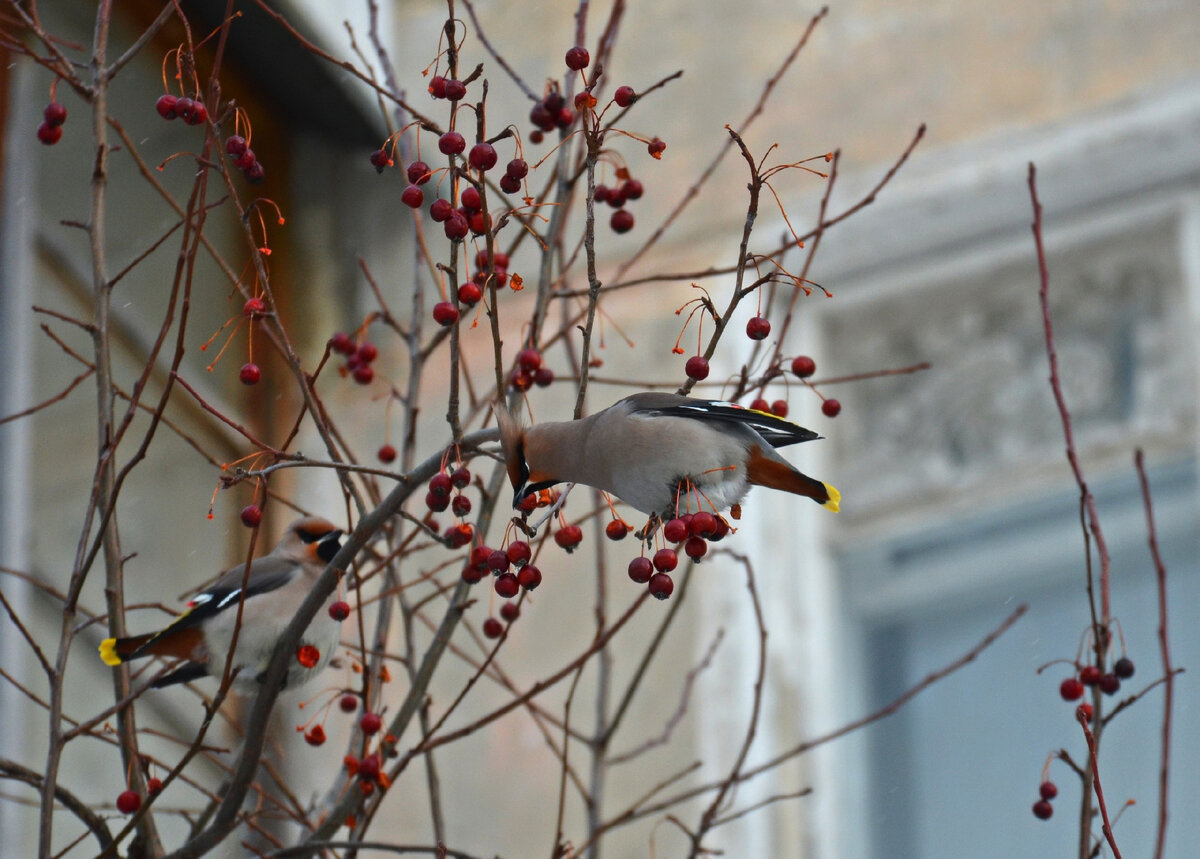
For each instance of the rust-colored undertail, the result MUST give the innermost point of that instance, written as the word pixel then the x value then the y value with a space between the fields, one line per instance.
pixel 764 471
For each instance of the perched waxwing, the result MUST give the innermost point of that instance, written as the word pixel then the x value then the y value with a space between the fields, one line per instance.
pixel 278 584
pixel 649 449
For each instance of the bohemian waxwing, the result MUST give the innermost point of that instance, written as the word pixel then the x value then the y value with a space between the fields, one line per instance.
pixel 277 586
pixel 649 449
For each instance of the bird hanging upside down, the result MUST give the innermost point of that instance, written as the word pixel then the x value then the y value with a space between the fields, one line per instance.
pixel 278 584
pixel 652 449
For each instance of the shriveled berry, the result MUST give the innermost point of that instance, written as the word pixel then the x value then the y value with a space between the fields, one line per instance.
pixel 696 367
pixel 1070 689
pixel 1048 790
pixel 568 536
pixel 166 106
pixel 255 173
pixel 641 569
pixel 661 585
pixel 529 577
pixel 370 723
pixel 656 148
pixel 831 408
pixel 456 226
pixel 507 585
pixel 441 209
pixel 339 610
pixel 482 156
pixel 675 531
pixel 251 515
pixel 457 535
pixel 380 160
pixel 696 548
pixel 315 736
pixel 452 143
pixel 128 801
pixel 412 196
pixel 621 221
pixel 1043 810
pixel 510 611
pixel 369 768
pixel 418 173
pixel 493 628
pixel 665 560
pixel 445 313
pixel 758 328
pixel 578 58
pixel 1123 668
pixel 625 96
pixel 498 561
pixel 518 553
pixel 616 530
pixel 1084 710
pixel 803 366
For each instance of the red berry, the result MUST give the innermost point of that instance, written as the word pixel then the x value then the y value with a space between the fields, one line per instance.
pixel 518 168
pixel 369 767
pixel 656 148
pixel 455 89
pixel 541 116
pixel 370 723
pixel 460 477
pixel 367 352
pixel 246 159
pixel 184 108
pixel 456 226
pixel 1070 689
pixel 166 105
pixel 451 143
pixel 493 628
pixel 1084 710
pixel 1048 790
pixel 529 577
pixel 441 209
pixel 1090 675
pixel 418 173
pixel 49 135
pixel 1110 684
pixel 339 610
pixel 510 184
pixel 55 113
pixel 199 114
pixel 507 585
pixel 625 96
pixel 565 117
pixel 472 574
pixel 1043 810
pixel 696 367
pixel 665 560
pixel 235 145
pixel 675 531
pixel 703 524
pixel 364 374
pixel 803 366
pixel 615 197
pixel 529 360
pixel 128 802
pixel 758 328
pixel 386 454
pixel 436 503
pixel 154 786
pixel 616 530
pixel 469 293
pixel 779 408
pixel 536 136
pixel 437 86
pixel 696 548
pixel 578 58
pixel 379 160
pixel 315 736
pixel 632 189
pixel 470 199
pixel 341 343
pixel 518 553
pixel 251 515
pixel 721 532
pixel 348 703
pixel 543 376
pixel 255 173
pixel 1123 668
pixel 412 196
pixel 621 221
pixel 254 307
pixel 640 570
pixel 661 586
pixel 498 561
pixel 445 313
pixel 440 485
pixel 510 611
pixel 760 405
pixel 568 536
pixel 457 535
pixel 482 156
pixel 461 505
pixel 831 408
pixel 479 223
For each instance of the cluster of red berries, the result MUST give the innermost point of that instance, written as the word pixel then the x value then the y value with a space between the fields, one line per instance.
pixel 802 367
pixel 500 563
pixel 445 490
pixel 368 770
pixel 1071 689
pixel 456 223
pixel 509 611
pixel 778 408
pixel 190 110
pixel 244 158
pixel 50 131
pixel 358 357
pixel 129 801
pixel 622 219
pixel 450 89
pixel 530 371
pixel 692 531
pixel 1042 809
pixel 550 113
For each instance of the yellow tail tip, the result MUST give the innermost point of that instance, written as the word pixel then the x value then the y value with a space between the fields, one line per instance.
pixel 108 652
pixel 835 499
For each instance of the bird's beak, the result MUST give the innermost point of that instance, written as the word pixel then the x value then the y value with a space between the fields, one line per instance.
pixel 329 545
